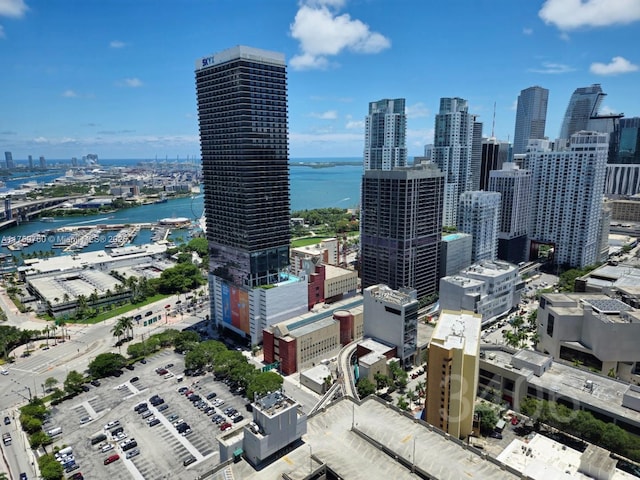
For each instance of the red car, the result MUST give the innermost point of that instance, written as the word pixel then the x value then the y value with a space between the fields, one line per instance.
pixel 111 459
pixel 225 426
pixel 161 371
pixel 188 392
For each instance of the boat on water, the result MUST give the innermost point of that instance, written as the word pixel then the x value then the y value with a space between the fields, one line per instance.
pixel 47 219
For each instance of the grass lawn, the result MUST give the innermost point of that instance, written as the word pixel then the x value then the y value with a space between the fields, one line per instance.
pixel 303 242
pixel 123 309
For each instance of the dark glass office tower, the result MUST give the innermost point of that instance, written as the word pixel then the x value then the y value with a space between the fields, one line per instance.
pixel 401 227
pixel 242 112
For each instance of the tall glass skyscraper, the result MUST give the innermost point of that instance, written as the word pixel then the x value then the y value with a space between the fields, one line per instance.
pixel 453 152
pixel 242 113
pixel 385 135
pixel 531 117
pixel 583 105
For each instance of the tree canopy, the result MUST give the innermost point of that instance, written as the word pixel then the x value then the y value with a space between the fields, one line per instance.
pixel 106 364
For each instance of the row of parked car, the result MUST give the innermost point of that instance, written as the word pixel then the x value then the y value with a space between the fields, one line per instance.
pixel 209 409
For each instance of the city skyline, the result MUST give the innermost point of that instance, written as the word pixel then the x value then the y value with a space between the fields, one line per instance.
pixel 118 80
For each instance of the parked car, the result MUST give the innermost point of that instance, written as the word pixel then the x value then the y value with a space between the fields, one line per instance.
pixel 129 367
pixel 7 420
pixel 111 459
pixel 95 383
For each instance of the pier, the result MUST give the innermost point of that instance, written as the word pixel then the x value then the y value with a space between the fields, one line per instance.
pixel 123 237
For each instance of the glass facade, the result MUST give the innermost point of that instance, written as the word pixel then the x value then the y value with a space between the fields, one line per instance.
pixel 242 112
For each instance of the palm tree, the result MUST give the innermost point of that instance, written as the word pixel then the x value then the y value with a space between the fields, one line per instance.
pixel 62 323
pixel 117 331
pixel 45 330
pixel 127 324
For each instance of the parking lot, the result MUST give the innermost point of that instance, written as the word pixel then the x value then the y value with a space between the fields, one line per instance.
pixel 162 448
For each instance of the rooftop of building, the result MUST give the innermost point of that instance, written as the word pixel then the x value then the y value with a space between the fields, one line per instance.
pixel 356 455
pixel 608 309
pixel 458 330
pixel 541 458
pixel 489 268
pixel 308 328
pixel 389 295
pixel 601 392
pixel 318 373
pixel 454 236
pixel 375 345
pixel 319 312
pixel 273 403
pixel 331 271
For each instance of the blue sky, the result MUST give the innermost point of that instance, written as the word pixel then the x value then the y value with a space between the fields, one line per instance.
pixel 116 77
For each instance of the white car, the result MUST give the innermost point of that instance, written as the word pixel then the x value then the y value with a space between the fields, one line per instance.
pixel 4 372
pixel 168 375
pixel 112 424
pixel 84 420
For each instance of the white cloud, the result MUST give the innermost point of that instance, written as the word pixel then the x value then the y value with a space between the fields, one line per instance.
pixel 552 68
pixel 564 36
pixel 322 33
pixel 130 82
pixel 572 14
pixel 355 125
pixel 616 66
pixel 328 115
pixel 69 94
pixel 117 44
pixel 527 31
pixel 417 110
pixel 13 8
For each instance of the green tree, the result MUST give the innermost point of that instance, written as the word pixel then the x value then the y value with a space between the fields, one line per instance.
pixel 263 382
pixel 50 468
pixel 365 387
pixel 73 383
pixel 30 424
pixel 105 364
pixel 39 438
pixel 50 382
pixel 487 416
pixel 186 341
pixel 402 403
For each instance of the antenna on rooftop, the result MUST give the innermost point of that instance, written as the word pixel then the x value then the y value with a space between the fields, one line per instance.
pixel 493 123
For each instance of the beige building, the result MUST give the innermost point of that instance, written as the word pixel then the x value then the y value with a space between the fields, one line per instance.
pixel 339 281
pixel 452 372
pixel 625 210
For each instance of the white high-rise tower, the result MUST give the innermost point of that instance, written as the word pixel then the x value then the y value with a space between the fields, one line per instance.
pixel 567 187
pixel 385 135
pixel 452 152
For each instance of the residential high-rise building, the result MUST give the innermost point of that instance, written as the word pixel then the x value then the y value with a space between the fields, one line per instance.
pixel 479 216
pixel 583 105
pixel 242 112
pixel 514 186
pixel 30 162
pixel 453 367
pixel 567 195
pixel 495 153
pixel 452 152
pixel 400 226
pixel 391 316
pixel 385 135
pixel 8 161
pixel 531 117
pixel 43 163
